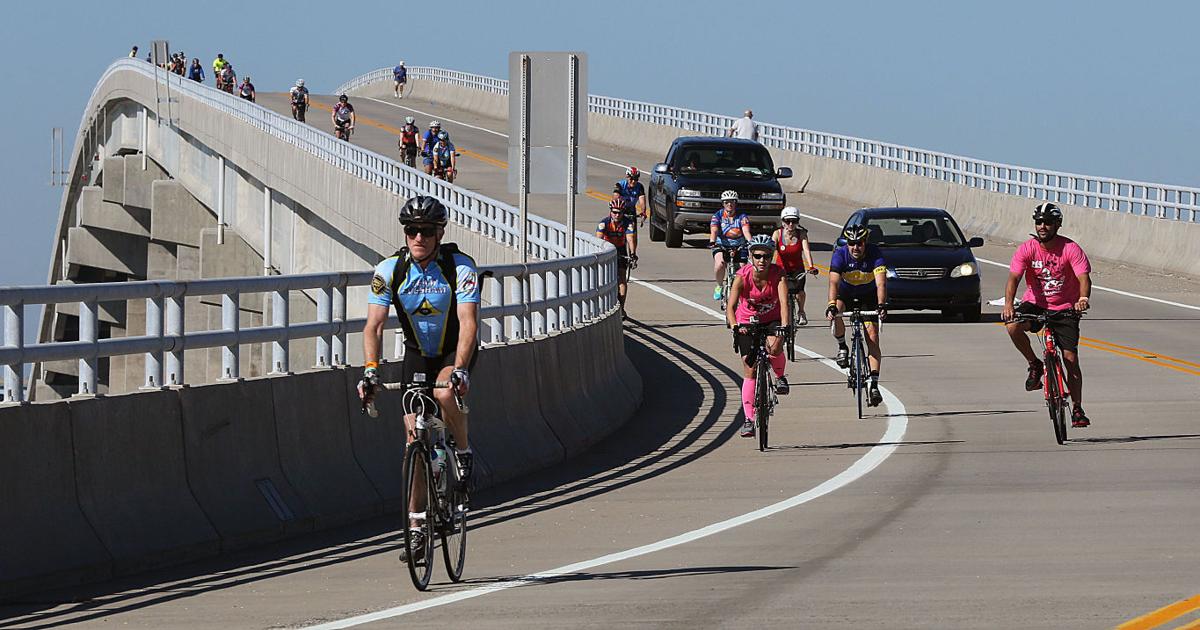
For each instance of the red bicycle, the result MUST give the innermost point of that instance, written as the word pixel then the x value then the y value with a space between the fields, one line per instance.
pixel 1054 379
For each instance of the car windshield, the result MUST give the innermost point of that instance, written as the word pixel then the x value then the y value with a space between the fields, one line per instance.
pixel 747 160
pixel 928 231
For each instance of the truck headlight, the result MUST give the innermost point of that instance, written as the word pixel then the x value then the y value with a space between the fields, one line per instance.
pixel 965 269
pixel 688 192
pixel 772 196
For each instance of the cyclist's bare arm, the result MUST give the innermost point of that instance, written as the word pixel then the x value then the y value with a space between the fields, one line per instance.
pixel 1085 292
pixel 881 287
pixel 468 332
pixel 631 240
pixel 786 317
pixel 712 235
pixel 834 278
pixel 373 332
pixel 1010 294
pixel 735 292
pixel 806 253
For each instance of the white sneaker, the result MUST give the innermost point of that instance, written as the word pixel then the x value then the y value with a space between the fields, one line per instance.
pixel 803 320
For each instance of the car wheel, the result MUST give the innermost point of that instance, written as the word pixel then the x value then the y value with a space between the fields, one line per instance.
pixel 656 233
pixel 674 235
pixel 972 314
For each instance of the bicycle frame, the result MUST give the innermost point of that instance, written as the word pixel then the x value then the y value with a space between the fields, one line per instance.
pixel 732 265
pixel 859 366
pixel 765 398
pixel 1054 381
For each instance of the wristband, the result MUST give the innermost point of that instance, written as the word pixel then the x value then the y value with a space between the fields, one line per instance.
pixel 371 365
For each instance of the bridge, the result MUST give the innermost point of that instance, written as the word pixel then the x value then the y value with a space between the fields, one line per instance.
pixel 950 505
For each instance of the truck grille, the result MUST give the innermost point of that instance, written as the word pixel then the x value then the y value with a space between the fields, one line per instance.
pixel 716 194
pixel 920 273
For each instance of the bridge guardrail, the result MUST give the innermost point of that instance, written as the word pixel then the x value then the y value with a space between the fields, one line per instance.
pixel 1164 201
pixel 523 301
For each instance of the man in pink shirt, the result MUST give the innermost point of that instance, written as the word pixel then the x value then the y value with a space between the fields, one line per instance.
pixel 1057 279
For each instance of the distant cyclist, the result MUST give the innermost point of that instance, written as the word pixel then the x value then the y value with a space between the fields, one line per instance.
pixel 218 65
pixel 435 291
pixel 618 228
pixel 196 72
pixel 343 117
pixel 228 78
pixel 299 97
pixel 427 141
pixel 1057 278
pixel 634 194
pixel 729 232
pixel 445 158
pixel 759 290
pixel 858 279
pixel 246 89
pixel 794 256
pixel 400 77
pixel 408 144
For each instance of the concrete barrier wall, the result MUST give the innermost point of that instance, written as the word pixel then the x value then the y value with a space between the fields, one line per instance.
pixel 1120 237
pixel 103 487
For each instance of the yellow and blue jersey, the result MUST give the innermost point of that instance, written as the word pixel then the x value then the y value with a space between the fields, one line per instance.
pixel 858 276
pixel 424 301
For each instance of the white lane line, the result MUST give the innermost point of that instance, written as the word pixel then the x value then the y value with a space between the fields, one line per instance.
pixel 459 122
pixel 888 443
pixel 1094 286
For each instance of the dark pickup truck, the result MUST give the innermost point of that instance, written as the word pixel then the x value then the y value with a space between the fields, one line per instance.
pixel 685 189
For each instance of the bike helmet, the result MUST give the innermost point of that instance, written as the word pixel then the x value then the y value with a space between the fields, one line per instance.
pixel 789 212
pixel 762 241
pixel 856 232
pixel 1047 211
pixel 633 173
pixel 299 82
pixel 402 63
pixel 435 125
pixel 343 98
pixel 617 204
pixel 421 209
pixel 443 136
pixel 729 195
pixel 408 120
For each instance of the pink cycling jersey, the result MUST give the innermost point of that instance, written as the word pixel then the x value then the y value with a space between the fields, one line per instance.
pixel 761 302
pixel 1051 271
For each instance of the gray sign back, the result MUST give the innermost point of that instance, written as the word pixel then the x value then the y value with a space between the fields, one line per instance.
pixel 549 80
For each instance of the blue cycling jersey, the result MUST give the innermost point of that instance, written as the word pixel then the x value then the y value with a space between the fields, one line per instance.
pixel 400 73
pixel 630 194
pixel 423 299
pixel 729 228
pixel 858 276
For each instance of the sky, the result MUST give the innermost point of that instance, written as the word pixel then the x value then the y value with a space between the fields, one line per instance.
pixel 1098 88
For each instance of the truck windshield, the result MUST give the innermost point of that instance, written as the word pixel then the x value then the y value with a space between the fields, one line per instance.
pixel 927 231
pixel 749 161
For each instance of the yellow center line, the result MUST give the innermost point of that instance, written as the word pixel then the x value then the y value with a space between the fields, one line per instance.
pixel 396 132
pixel 1195 625
pixel 1095 344
pixel 1152 355
pixel 1163 615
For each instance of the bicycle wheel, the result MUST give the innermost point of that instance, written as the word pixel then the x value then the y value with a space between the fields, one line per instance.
pixel 416 482
pixel 454 526
pixel 1054 401
pixel 790 338
pixel 860 364
pixel 762 400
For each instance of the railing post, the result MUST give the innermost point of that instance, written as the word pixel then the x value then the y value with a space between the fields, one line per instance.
pixel 325 316
pixel 514 297
pixel 339 315
pixel 552 313
pixel 174 369
pixel 279 318
pixel 88 320
pixel 267 231
pixel 496 297
pixel 537 286
pixel 576 288
pixel 231 322
pixel 154 328
pixel 14 337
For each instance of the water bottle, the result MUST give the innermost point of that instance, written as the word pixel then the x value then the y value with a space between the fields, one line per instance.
pixel 439 459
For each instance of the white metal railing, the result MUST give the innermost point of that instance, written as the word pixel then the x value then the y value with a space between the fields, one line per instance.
pixel 1164 201
pixel 522 301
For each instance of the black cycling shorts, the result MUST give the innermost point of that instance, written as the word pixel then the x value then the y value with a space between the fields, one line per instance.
pixel 745 343
pixel 795 282
pixel 415 362
pixel 865 302
pixel 1066 328
pixel 743 254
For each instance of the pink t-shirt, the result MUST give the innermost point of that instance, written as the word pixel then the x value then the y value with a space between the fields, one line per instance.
pixel 761 302
pixel 1051 272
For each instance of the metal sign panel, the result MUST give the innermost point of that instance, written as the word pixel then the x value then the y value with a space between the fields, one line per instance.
pixel 160 52
pixel 555 100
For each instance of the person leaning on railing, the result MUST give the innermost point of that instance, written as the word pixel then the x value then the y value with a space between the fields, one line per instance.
pixel 435 290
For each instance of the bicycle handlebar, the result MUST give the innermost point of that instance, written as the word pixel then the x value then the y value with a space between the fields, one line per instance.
pixel 1048 316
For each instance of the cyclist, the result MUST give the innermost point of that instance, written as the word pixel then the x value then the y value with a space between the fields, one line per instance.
pixel 427 141
pixel 759 290
pixel 343 116
pixel 400 75
pixel 634 194
pixel 218 65
pixel 618 228
pixel 858 278
pixel 299 95
pixel 445 159
pixel 795 257
pixel 435 290
pixel 228 78
pixel 408 139
pixel 1057 278
pixel 196 72
pixel 729 232
pixel 246 89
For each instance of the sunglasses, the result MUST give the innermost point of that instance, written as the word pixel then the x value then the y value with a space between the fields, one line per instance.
pixel 427 231
pixel 1045 222
pixel 791 220
pixel 856 243
pixel 760 256
pixel 730 202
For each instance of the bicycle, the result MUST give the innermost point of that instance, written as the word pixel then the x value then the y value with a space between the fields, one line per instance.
pixel 765 398
pixel 408 154
pixel 1054 378
pixel 794 311
pixel 431 455
pixel 733 261
pixel 859 368
pixel 342 131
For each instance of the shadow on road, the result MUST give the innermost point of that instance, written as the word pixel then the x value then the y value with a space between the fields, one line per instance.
pixel 625 575
pixel 822 447
pixel 1129 439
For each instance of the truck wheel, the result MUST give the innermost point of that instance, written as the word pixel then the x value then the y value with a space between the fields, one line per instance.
pixel 674 235
pixel 656 233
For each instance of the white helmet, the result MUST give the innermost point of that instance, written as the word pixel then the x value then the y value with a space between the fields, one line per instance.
pixel 409 120
pixel 729 195
pixel 299 82
pixel 789 212
pixel 402 63
pixel 435 123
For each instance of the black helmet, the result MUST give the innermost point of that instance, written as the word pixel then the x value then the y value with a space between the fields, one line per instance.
pixel 1047 212
pixel 343 98
pixel 421 209
pixel 856 232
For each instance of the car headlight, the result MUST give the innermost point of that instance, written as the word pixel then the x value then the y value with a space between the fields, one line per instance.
pixel 773 196
pixel 891 273
pixel 965 269
pixel 688 192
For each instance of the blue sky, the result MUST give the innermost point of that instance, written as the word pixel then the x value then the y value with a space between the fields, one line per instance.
pixel 1101 88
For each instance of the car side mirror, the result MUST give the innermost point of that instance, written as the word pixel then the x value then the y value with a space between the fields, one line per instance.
pixel 661 167
pixel 784 172
pixel 975 242
pixel 841 241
